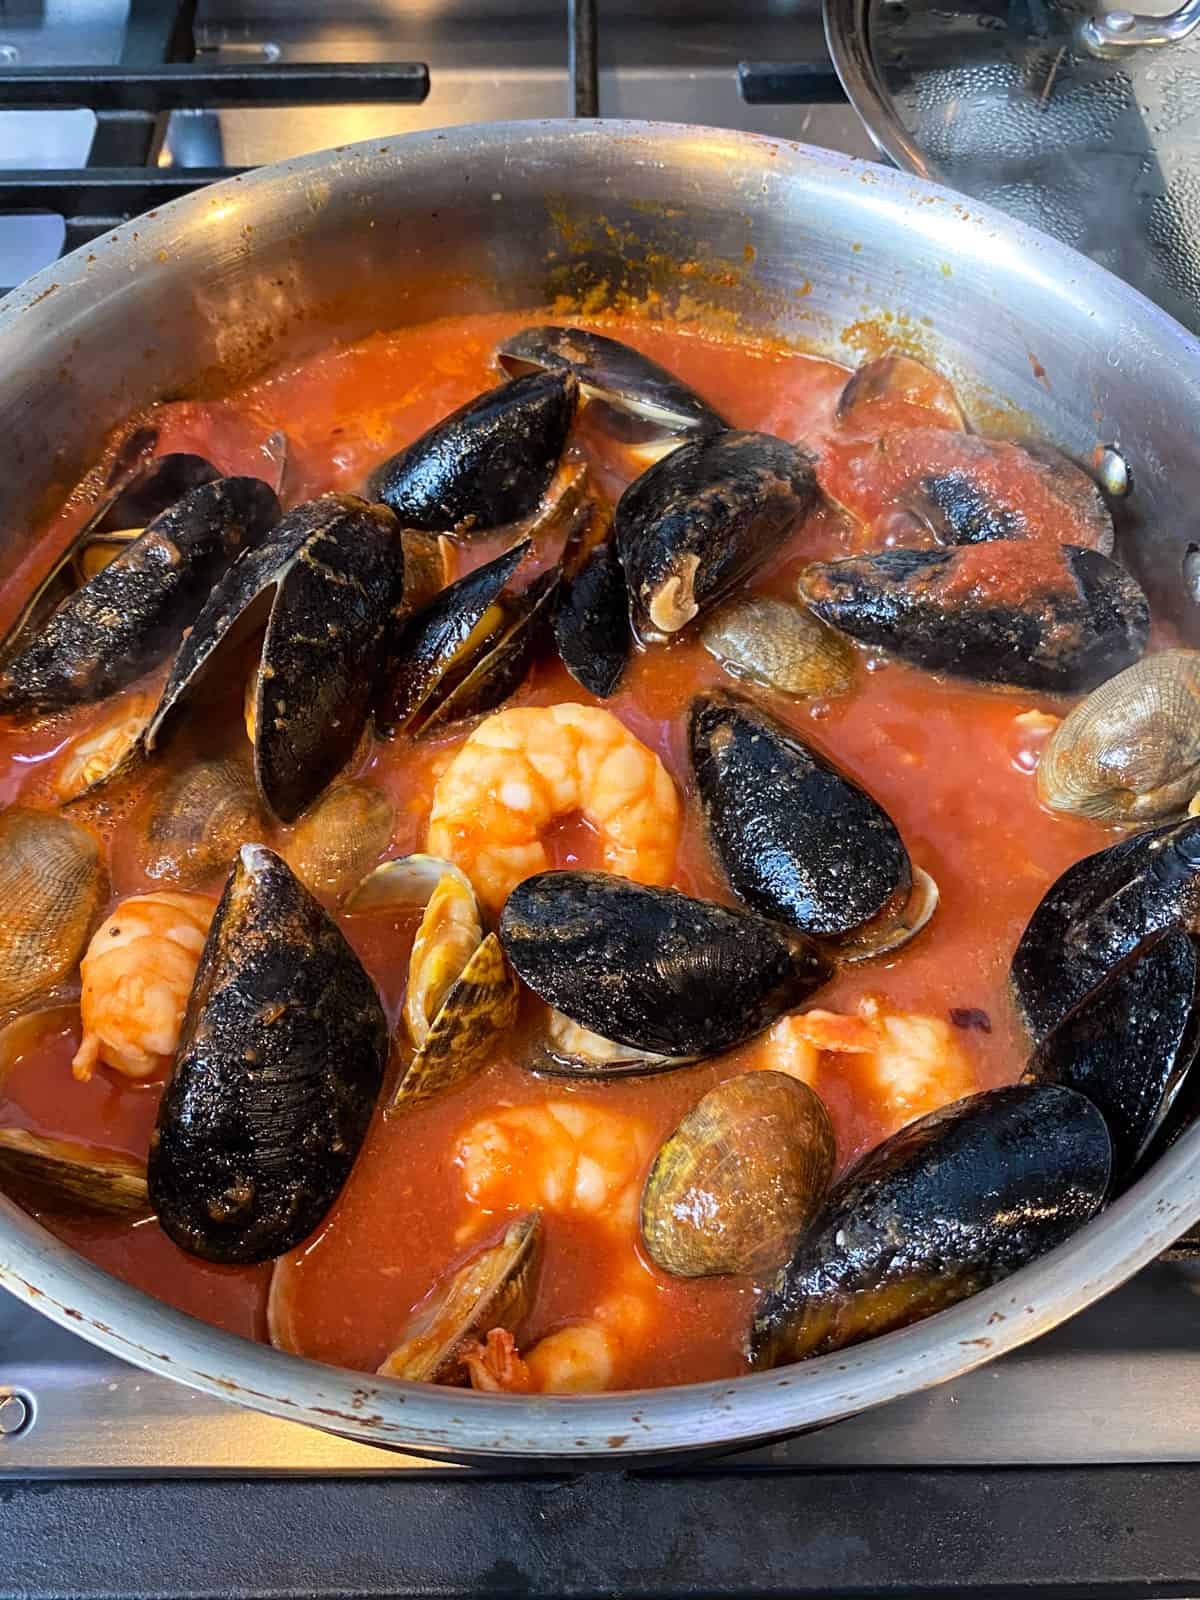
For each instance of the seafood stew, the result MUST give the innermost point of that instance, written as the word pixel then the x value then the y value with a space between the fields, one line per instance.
pixel 590 834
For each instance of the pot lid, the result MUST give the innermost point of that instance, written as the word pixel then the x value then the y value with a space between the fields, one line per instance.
pixel 1084 123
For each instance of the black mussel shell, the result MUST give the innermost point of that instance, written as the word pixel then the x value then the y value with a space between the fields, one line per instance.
pixel 651 967
pixel 952 1203
pixel 796 837
pixel 128 617
pixel 488 463
pixel 940 609
pixel 635 397
pixel 1128 1047
pixel 280 1063
pixel 442 645
pixel 591 622
pixel 502 665
pixel 1100 912
pixel 323 586
pixel 705 516
pixel 150 490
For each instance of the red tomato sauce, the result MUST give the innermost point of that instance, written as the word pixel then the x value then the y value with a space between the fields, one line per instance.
pixel 952 764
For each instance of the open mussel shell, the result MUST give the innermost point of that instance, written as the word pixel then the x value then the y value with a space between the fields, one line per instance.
pixel 699 521
pixel 1130 752
pixel 780 645
pixel 132 613
pixel 442 643
pixel 632 397
pixel 487 464
pixel 52 886
pixel 1129 1046
pixel 323 585
pixel 111 749
pixel 340 838
pixel 898 380
pixel 796 837
pixel 199 820
pixel 1071 621
pixel 280 1062
pixel 505 658
pixel 741 1177
pixel 952 1203
pixel 651 967
pixel 140 491
pixel 1101 911
pixel 591 622
pixel 493 1290
pixel 65 1175
pixel 565 1050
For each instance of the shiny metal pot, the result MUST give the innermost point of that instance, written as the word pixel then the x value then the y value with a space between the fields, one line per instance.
pixel 807 244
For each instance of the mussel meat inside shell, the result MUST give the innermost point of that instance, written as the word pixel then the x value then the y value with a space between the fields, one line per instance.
pixel 138 491
pixel 741 1177
pixel 651 967
pixel 780 645
pixel 65 1175
pixel 468 649
pixel 951 1204
pixel 796 837
pixel 630 396
pixel 493 1290
pixel 279 1066
pixel 131 614
pixel 485 465
pixel 1129 1048
pixel 340 838
pixel 461 996
pixel 108 750
pixel 199 820
pixel 1130 752
pixel 566 1050
pixel 591 622
pixel 699 521
pixel 323 585
pixel 52 885
pixel 1020 614
pixel 1099 913
pixel 899 380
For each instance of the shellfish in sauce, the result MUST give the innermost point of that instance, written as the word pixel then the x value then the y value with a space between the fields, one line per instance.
pixel 744 475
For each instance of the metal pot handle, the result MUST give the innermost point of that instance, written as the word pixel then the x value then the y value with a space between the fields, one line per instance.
pixel 1114 33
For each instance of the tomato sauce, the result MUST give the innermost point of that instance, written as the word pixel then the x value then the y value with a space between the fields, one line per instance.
pixel 952 764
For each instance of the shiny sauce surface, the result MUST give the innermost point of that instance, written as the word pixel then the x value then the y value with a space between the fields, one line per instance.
pixel 951 763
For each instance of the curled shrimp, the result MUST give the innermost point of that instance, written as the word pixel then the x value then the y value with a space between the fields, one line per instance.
pixel 910 1063
pixel 137 975
pixel 528 765
pixel 569 1158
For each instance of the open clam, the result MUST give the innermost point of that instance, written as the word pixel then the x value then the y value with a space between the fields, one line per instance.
pixel 340 838
pixel 111 749
pixel 493 1290
pixel 780 645
pixel 199 819
pixel 740 1178
pixel 131 614
pixel 279 1066
pixel 954 1202
pixel 461 995
pixel 653 968
pixel 323 586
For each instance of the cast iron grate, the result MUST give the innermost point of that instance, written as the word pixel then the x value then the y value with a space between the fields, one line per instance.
pixel 160 72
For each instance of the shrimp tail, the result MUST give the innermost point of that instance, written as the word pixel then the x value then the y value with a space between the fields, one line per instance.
pixel 495 1365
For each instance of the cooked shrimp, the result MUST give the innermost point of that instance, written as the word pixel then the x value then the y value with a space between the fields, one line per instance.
pixel 528 765
pixel 137 976
pixel 558 1156
pixel 911 1064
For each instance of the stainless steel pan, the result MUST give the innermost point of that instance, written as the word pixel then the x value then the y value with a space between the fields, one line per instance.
pixel 828 251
